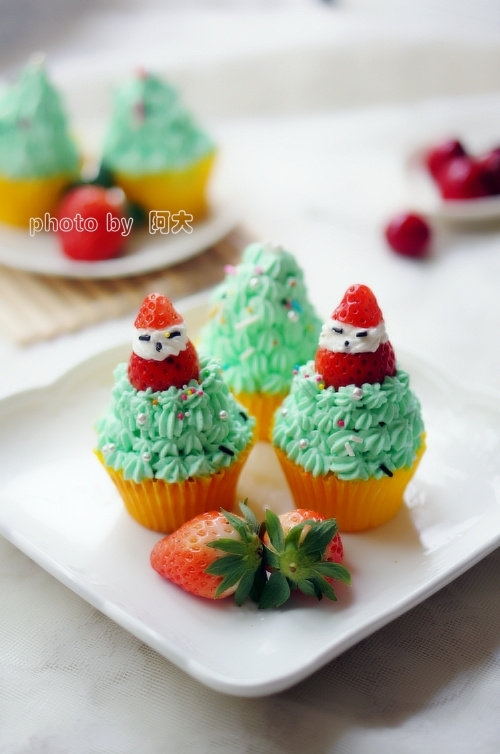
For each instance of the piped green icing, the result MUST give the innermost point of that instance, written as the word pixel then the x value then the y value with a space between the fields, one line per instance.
pixel 151 130
pixel 34 139
pixel 383 428
pixel 252 332
pixel 143 435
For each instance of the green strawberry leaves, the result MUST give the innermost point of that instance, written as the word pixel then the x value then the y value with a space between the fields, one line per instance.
pixel 244 560
pixel 295 561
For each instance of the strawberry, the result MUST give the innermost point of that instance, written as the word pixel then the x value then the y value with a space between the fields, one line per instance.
pixel 341 369
pixel 334 552
pixel 90 224
pixel 162 355
pixel 353 347
pixel 214 555
pixel 302 550
pixel 437 157
pixel 409 234
pixel 358 304
pixel 160 375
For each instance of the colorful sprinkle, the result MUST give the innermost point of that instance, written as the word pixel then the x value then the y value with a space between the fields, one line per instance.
pixel 184 397
pixel 246 354
pixel 225 450
pixel 180 415
pixel 384 468
pixel 200 392
pixel 246 322
pixel 341 422
pixel 349 450
pixel 321 386
pixel 355 438
pixel 243 416
pixel 230 269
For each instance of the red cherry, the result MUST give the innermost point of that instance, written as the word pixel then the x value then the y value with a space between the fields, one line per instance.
pixel 438 156
pixel 462 178
pixel 409 234
pixel 489 167
pixel 89 224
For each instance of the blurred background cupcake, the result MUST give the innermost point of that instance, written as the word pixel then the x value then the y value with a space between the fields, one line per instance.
pixel 262 327
pixel 155 150
pixel 38 157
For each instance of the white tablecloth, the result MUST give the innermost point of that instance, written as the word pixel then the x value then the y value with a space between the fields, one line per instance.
pixel 319 170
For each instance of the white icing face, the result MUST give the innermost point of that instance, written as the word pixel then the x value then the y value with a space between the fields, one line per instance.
pixel 342 338
pixel 157 345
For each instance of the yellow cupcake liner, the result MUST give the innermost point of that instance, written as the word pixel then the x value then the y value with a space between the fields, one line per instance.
pixel 262 407
pixel 357 504
pixel 170 191
pixel 22 199
pixel 164 506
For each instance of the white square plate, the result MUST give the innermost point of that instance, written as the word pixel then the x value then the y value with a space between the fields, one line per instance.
pixel 59 507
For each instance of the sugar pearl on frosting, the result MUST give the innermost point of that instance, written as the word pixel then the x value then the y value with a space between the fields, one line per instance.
pixel 254 282
pixel 223 415
pixel 284 412
pixel 109 447
pixel 357 393
pixel 303 443
pixel 146 456
pixel 293 316
pixel 141 418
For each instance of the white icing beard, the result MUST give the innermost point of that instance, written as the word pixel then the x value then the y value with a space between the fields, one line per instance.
pixel 349 339
pixel 158 345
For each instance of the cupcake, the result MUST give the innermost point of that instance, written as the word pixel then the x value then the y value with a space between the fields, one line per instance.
pixel 156 152
pixel 174 439
pixel 38 158
pixel 350 434
pixel 262 328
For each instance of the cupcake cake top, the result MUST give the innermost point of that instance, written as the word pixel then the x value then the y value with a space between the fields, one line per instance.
pixel 34 138
pixel 171 416
pixel 150 130
pixel 263 323
pixel 351 411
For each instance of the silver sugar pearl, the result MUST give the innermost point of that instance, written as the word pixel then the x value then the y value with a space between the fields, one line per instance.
pixel 142 418
pixel 223 415
pixel 293 316
pixel 146 456
pixel 357 393
pixel 303 443
pixel 284 412
pixel 254 282
pixel 109 447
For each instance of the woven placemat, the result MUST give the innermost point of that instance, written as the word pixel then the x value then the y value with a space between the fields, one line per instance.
pixel 53 306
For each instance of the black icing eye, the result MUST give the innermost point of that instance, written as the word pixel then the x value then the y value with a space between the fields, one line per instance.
pixel 174 334
pixel 145 337
pixel 362 334
pixel 158 346
pixel 338 329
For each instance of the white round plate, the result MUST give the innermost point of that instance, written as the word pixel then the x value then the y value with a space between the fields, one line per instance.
pixel 424 196
pixel 145 252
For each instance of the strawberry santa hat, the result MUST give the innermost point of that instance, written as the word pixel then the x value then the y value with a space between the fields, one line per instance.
pixel 162 355
pixel 353 344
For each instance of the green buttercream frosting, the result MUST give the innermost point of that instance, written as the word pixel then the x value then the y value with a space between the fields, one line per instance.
pixel 263 324
pixel 160 434
pixel 151 131
pixel 34 139
pixel 382 428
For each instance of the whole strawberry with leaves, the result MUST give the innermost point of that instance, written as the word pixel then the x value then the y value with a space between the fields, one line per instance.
pixel 303 550
pixel 214 555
